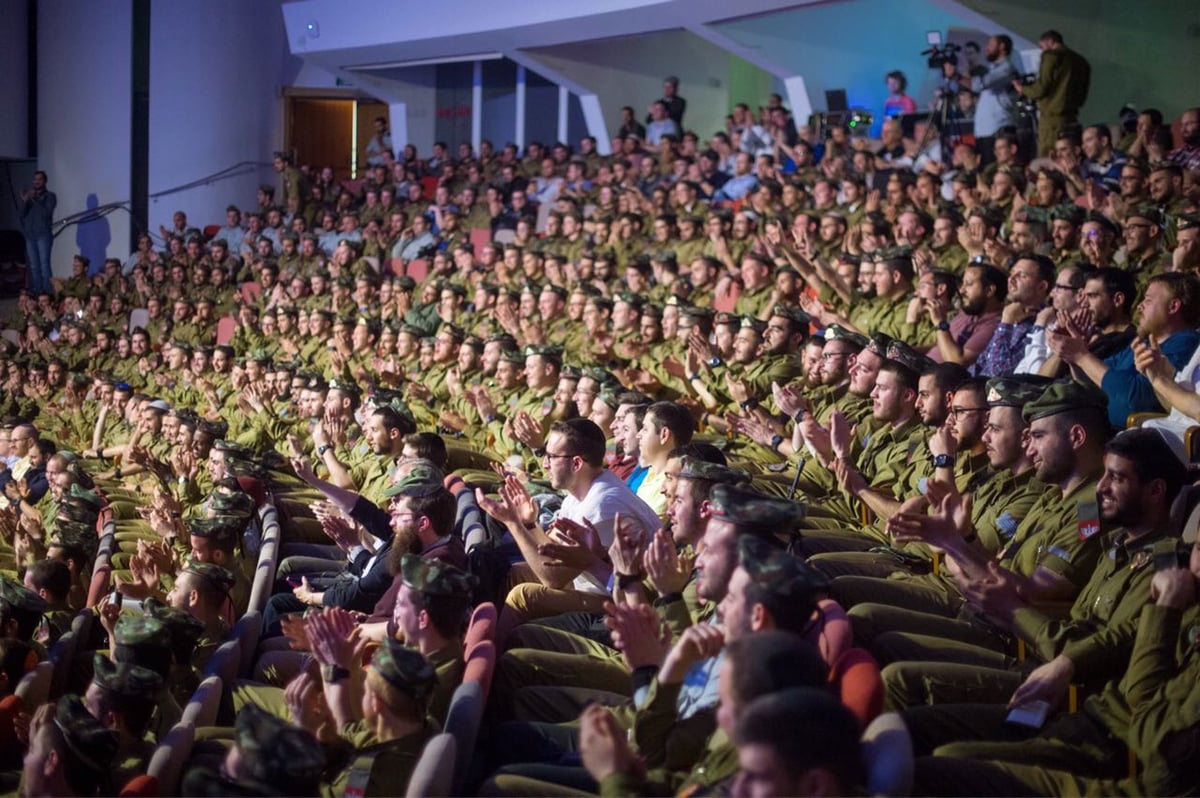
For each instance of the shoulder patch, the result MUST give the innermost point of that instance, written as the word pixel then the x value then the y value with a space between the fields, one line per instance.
pixel 1088 514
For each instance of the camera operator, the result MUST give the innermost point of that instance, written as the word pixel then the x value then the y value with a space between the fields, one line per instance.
pixel 994 108
pixel 1060 89
pixel 37 218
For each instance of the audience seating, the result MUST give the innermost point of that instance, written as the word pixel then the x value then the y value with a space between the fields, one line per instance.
pixel 480 665
pixel 832 634
pixel 247 632
pixel 170 757
pixel 141 786
pixel 226 327
pixel 463 720
pixel 202 709
pixel 855 677
pixel 433 775
pixel 482 625
pixel 34 687
pixel 888 756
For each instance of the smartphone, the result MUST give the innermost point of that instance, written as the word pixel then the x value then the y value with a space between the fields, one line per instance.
pixel 1032 714
pixel 118 599
pixel 295 581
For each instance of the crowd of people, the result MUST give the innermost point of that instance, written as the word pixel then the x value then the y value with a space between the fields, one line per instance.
pixel 709 420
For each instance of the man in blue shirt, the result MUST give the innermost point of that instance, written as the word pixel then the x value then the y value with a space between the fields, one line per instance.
pixel 1167 318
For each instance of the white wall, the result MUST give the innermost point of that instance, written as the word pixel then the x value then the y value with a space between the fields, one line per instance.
pixel 630 71
pixel 14 66
pixel 216 68
pixel 84 108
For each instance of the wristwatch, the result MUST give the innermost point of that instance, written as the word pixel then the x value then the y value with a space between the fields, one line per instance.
pixel 332 674
pixel 943 460
pixel 943 326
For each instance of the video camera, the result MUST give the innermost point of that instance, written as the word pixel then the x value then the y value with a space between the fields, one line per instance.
pixel 939 53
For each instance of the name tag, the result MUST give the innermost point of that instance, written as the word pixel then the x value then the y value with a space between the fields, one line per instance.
pixel 1089 519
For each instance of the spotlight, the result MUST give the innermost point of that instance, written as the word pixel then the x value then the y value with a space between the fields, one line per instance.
pixel 313 29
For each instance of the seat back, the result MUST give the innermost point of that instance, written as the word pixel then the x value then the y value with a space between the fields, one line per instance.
pixel 434 771
pixel 480 665
pixel 832 634
pixel 482 625
pixel 463 720
pixel 202 708
pixel 855 678
pixel 11 335
pixel 226 327
pixel 138 317
pixel 34 687
pixel 888 756
pixel 418 269
pixel 248 630
pixel 62 654
pixel 169 758
pixel 141 786
pixel 250 291
pixel 225 662
pixel 99 585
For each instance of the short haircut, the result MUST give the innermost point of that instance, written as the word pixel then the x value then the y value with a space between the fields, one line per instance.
pixel 1051 36
pixel 1152 458
pixel 53 576
pixel 1117 281
pixel 947 376
pixel 392 419
pixel 583 438
pixel 674 417
pixel 428 445
pixel 808 729
pixel 440 507
pixel 906 376
pixel 1185 288
pixel 994 277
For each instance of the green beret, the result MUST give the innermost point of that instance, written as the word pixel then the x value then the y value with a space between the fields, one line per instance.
pixel 570 371
pixel 1103 221
pixel 405 283
pixel 93 745
pixel 725 317
pixel 836 332
pixel 258 355
pixel 694 312
pixel 1062 396
pixel 1016 390
pixel 405 669
pixel 694 468
pixel 551 353
pixel 278 756
pixel 346 388
pixel 436 578
pixel 1187 221
pixel 420 479
pixel 780 573
pixel 124 678
pixel 138 631
pixel 221 579
pixel 905 355
pixel 878 344
pixel 77 491
pixel 754 512
pixel 19 599
pixel 751 323
pixel 796 315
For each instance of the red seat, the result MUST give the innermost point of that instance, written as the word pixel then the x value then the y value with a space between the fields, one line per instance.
pixel 211 230
pixel 140 786
pixel 480 665
pixel 99 586
pixel 226 327
pixel 251 291
pixel 855 677
pixel 832 633
pixel 418 269
pixel 429 186
pixel 482 625
pixel 479 238
pixel 255 488
pixel 397 266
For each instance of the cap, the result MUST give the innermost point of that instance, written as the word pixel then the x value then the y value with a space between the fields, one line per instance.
pixel 1016 390
pixel 184 629
pixel 836 332
pixel 405 669
pixel 421 479
pixel 221 579
pixel 124 678
pixel 92 744
pixel 1103 221
pixel 878 344
pixel 17 598
pixel 779 572
pixel 905 355
pixel 1068 212
pixel 1062 396
pixel 219 528
pixel 277 754
pixel 794 314
pixel 1187 221
pixel 754 512
pixel 691 467
pixel 1146 211
pixel 435 577
pixel 141 630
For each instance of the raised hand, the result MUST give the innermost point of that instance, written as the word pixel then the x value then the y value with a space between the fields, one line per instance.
pixel 637 633
pixel 669 571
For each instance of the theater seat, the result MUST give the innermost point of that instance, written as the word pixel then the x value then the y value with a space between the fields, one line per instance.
pixel 168 760
pixel 480 665
pixel 855 678
pixel 832 634
pixel 34 688
pixel 434 773
pixel 463 720
pixel 888 756
pixel 226 327
pixel 482 625
pixel 141 786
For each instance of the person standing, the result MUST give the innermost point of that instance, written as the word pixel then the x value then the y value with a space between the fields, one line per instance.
pixel 37 217
pixel 1060 90
pixel 994 108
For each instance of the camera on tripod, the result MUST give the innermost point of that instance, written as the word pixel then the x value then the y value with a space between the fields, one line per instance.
pixel 939 53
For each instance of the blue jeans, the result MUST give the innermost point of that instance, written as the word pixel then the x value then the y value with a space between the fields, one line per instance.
pixel 37 254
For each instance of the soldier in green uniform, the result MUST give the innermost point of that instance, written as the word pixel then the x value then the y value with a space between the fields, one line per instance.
pixel 70 752
pixel 121 696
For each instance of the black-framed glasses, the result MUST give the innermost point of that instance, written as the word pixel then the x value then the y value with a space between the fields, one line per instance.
pixel 552 456
pixel 958 411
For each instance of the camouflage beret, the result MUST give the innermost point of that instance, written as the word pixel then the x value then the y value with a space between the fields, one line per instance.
pixel 905 355
pixel 405 283
pixel 1016 390
pixel 725 317
pixel 513 356
pixel 691 467
pixel 124 678
pixel 258 355
pixel 405 668
pixel 552 353
pixel 751 323
pixel 221 528
pixel 694 312
pixel 221 579
pixel 184 629
pixel 1147 211
pixel 93 745
pixel 795 315
pixel 278 755
pixel 436 578
pixel 18 598
pixel 419 479
pixel 571 371
pixel 779 572
pixel 231 505
pixel 754 512
pixel 1067 213
pixel 1062 396
pixel 836 332
pixel 884 254
pixel 138 631
pixel 878 344
pixel 346 387
pixel 1102 220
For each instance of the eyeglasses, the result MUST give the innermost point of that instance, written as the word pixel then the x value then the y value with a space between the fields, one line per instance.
pixel 958 411
pixel 832 355
pixel 1058 287
pixel 552 456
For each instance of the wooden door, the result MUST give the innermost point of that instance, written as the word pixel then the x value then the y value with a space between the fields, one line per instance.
pixel 322 134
